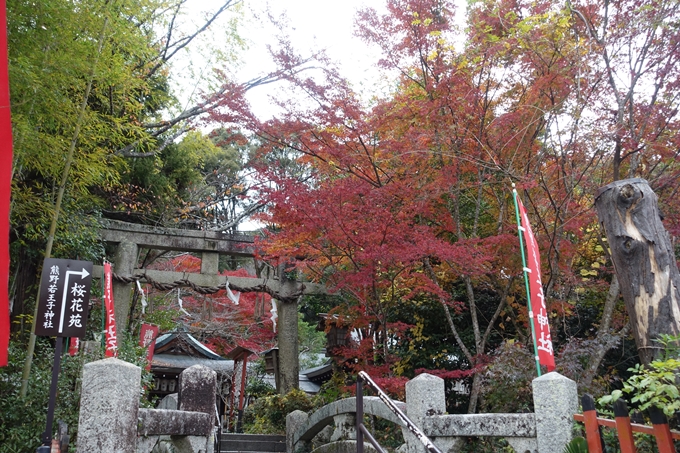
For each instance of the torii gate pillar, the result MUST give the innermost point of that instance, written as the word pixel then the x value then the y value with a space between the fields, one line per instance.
pixel 124 262
pixel 287 335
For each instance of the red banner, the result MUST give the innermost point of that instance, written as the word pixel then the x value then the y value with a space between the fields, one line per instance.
pixel 111 342
pixel 74 345
pixel 147 339
pixel 5 185
pixel 539 316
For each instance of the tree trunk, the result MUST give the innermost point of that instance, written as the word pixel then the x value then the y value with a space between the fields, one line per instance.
pixel 475 389
pixel 605 337
pixel 644 261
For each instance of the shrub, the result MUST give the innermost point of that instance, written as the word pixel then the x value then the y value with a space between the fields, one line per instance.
pixel 22 421
pixel 506 384
pixel 655 385
pixel 267 415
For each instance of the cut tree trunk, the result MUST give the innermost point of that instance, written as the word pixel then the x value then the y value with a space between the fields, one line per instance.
pixel 644 261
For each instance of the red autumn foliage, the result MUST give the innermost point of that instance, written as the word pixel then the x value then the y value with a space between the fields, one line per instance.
pixel 215 319
pixel 409 197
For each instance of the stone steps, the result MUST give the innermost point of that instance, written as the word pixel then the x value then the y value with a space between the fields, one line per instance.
pixel 252 443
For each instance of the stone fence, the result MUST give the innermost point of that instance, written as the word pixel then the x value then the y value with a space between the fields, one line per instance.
pixel 111 420
pixel 547 430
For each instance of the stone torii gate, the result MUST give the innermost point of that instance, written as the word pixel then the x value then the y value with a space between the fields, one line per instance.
pixel 131 238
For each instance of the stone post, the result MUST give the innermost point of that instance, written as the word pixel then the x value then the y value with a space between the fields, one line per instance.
pixel 294 421
pixel 344 427
pixel 109 404
pixel 289 363
pixel 425 396
pixel 124 263
pixel 555 403
pixel 210 263
pixel 197 390
pixel 197 393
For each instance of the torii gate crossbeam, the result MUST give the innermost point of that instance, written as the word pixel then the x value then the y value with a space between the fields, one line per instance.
pixel 131 237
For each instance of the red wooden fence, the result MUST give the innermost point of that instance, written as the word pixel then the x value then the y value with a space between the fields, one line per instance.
pixel 625 429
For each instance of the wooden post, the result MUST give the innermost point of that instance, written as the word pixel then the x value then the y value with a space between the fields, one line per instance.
pixel 644 261
pixel 623 428
pixel 242 393
pixel 593 431
pixel 662 432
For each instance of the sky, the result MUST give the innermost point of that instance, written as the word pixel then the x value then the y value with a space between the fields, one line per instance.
pixel 317 24
pixel 313 25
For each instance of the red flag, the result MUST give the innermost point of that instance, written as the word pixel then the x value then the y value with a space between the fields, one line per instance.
pixel 147 339
pixel 111 342
pixel 539 316
pixel 5 185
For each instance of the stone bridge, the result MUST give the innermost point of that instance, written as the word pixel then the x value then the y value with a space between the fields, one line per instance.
pixel 547 430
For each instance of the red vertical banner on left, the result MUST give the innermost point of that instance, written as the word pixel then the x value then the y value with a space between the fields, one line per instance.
pixel 111 342
pixel 5 185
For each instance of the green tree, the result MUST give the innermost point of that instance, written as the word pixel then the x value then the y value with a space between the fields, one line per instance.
pixel 90 90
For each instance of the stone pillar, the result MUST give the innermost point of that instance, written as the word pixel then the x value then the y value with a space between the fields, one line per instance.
pixel 555 403
pixel 289 362
pixel 294 421
pixel 424 397
pixel 124 263
pixel 344 427
pixel 197 390
pixel 197 393
pixel 109 404
pixel 210 263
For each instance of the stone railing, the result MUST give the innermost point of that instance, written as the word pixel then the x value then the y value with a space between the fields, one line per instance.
pixel 547 430
pixel 112 421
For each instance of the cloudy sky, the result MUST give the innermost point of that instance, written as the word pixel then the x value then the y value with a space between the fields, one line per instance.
pixel 312 25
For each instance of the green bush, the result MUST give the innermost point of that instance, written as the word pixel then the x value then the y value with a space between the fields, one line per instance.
pixel 258 388
pixel 267 415
pixel 22 421
pixel 506 383
pixel 334 389
pixel 655 385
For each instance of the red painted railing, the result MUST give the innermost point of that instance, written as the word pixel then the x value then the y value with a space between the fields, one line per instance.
pixel 625 429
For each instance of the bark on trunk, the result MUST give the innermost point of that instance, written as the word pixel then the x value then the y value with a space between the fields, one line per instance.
pixel 644 261
pixel 605 337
